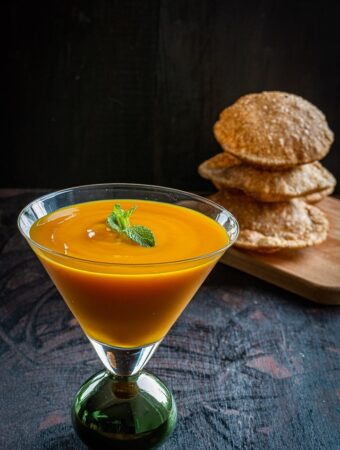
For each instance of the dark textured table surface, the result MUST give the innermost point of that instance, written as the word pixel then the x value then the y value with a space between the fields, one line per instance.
pixel 251 366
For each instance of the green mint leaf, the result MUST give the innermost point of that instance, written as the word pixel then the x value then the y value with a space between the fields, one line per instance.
pixel 112 223
pixel 142 235
pixel 121 217
pixel 119 221
pixel 131 211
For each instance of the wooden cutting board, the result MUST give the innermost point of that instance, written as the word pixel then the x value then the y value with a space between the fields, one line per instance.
pixel 313 273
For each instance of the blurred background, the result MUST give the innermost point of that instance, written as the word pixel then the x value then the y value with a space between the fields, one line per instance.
pixel 128 90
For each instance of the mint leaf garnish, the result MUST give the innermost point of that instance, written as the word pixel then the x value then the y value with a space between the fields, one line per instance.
pixel 119 221
pixel 142 235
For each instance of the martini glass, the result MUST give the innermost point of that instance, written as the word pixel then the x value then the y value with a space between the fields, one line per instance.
pixel 124 406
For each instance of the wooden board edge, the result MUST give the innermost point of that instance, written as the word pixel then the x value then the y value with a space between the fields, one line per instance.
pixel 317 293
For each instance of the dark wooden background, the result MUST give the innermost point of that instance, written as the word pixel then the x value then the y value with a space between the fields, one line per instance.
pixel 128 90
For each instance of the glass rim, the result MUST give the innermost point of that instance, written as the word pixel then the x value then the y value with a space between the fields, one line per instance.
pixel 131 186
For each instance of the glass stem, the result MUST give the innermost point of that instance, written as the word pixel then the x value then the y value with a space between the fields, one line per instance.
pixel 124 362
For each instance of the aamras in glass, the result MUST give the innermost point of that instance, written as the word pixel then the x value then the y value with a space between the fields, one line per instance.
pixel 127 259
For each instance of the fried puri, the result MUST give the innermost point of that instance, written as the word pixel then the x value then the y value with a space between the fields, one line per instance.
pixel 267 186
pixel 269 227
pixel 274 130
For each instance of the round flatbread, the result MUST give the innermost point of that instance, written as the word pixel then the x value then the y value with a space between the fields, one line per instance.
pixel 217 164
pixel 268 227
pixel 274 130
pixel 318 196
pixel 271 186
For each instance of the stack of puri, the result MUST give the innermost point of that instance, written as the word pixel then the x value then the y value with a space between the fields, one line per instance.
pixel 269 175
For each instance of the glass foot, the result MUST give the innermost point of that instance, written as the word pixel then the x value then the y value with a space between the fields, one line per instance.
pixel 137 412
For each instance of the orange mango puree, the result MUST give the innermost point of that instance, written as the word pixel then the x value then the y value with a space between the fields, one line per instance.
pixel 123 294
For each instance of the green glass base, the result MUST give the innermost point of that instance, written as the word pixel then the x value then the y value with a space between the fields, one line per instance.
pixel 136 412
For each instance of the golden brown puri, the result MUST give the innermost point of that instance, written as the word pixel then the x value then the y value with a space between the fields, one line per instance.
pixel 274 130
pixel 318 196
pixel 217 163
pixel 274 186
pixel 268 227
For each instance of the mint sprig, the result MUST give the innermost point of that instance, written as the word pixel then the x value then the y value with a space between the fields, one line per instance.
pixel 119 221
